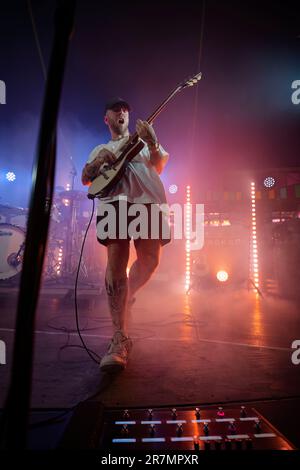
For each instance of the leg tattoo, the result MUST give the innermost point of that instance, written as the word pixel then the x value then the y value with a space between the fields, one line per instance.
pixel 117 300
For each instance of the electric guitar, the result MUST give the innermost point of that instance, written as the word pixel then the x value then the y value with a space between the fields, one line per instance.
pixel 111 173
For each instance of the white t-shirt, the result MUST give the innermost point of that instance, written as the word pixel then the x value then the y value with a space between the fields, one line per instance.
pixel 140 182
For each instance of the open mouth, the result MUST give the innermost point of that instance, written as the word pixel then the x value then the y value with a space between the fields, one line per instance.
pixel 121 121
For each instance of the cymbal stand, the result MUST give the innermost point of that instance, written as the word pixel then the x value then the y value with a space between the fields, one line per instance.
pixel 72 243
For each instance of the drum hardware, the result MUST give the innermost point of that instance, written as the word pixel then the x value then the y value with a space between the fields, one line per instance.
pixel 55 214
pixel 69 217
pixel 14 259
pixel 67 234
pixel 8 213
pixel 52 267
pixel 73 194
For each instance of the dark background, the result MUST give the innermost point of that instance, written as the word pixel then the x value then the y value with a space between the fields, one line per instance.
pixel 240 117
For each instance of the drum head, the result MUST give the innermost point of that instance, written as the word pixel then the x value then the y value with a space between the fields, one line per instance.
pixel 12 240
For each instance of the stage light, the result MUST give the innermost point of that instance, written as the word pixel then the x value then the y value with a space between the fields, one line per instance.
pixel 269 182
pixel 68 187
pixel 173 188
pixel 10 176
pixel 188 240
pixel 254 267
pixel 222 276
pixel 59 263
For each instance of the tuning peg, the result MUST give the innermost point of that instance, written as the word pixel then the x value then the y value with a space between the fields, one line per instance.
pixel 191 81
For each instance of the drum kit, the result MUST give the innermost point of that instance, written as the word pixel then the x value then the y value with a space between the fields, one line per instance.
pixel 70 214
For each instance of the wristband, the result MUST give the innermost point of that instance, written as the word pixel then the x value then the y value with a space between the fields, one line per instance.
pixel 154 145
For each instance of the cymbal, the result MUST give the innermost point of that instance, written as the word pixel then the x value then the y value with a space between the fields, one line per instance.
pixel 11 211
pixel 73 194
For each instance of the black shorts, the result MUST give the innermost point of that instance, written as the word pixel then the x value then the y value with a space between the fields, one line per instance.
pixel 152 224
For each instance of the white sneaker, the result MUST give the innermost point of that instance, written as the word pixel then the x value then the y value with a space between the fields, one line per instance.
pixel 117 354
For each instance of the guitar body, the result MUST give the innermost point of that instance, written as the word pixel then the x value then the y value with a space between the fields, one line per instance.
pixel 112 174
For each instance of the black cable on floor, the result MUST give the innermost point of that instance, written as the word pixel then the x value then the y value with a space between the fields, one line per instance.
pixel 93 355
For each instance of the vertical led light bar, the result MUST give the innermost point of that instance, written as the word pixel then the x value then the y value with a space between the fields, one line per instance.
pixel 188 221
pixel 254 252
pixel 59 261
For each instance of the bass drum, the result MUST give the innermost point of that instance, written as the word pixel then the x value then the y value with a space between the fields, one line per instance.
pixel 12 243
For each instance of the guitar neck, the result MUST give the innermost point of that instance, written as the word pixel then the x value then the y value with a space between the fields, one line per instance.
pixel 158 110
pixel 163 105
pixel 187 83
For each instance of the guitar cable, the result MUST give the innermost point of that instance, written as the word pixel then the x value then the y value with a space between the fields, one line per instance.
pixel 93 355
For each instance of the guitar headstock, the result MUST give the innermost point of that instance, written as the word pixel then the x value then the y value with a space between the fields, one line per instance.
pixel 191 81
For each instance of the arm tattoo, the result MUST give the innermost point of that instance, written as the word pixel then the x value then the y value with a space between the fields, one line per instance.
pixel 90 172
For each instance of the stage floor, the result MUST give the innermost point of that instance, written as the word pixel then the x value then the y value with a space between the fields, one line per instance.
pixel 210 347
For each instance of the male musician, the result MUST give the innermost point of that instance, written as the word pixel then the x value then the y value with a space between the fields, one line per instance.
pixel 140 184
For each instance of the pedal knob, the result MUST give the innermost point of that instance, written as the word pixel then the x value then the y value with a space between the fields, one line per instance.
pixel 232 428
pixel 243 411
pixel 249 444
pixel 196 443
pixel 257 426
pixel 239 444
pixel 220 411
pixel 228 444
pixel 179 429
pixel 207 445
pixel 125 414
pixel 218 445
pixel 197 413
pixel 124 429
pixel 152 429
pixel 174 413
pixel 150 413
pixel 206 429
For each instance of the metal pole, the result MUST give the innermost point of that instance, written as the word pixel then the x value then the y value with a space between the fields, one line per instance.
pixel 15 416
